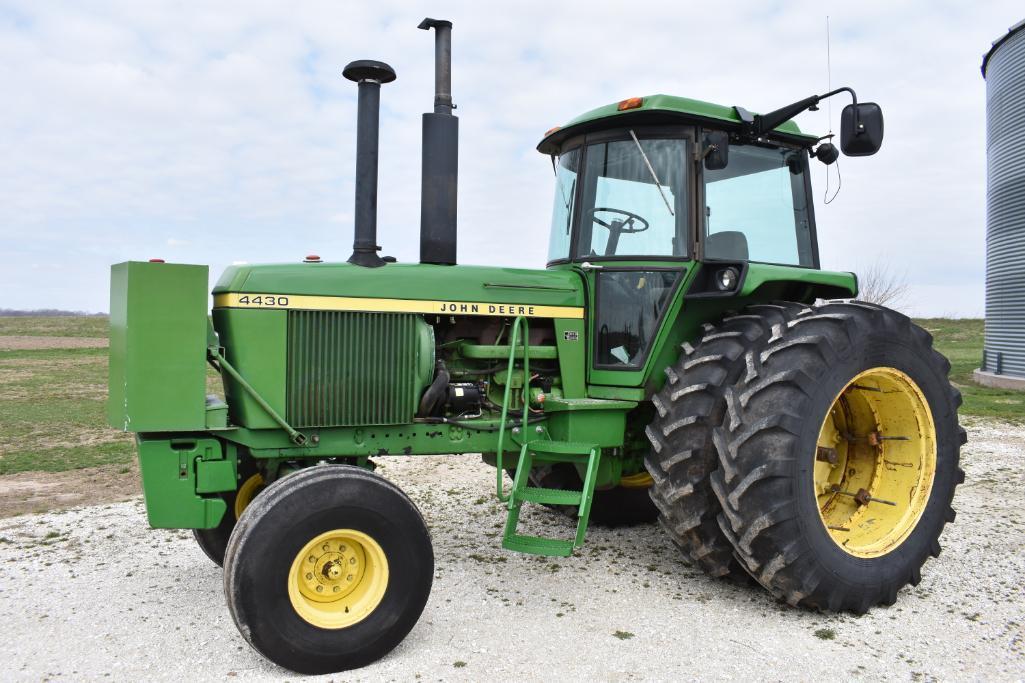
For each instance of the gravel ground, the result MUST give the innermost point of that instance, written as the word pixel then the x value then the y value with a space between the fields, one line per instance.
pixel 92 592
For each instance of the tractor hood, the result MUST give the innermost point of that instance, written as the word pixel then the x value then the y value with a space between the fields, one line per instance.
pixel 402 287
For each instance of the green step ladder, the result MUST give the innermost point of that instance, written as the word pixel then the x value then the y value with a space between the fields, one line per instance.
pixel 541 450
pixel 522 492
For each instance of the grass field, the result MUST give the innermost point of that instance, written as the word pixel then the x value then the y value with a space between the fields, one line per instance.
pixel 52 415
pixel 79 326
pixel 961 342
pixel 52 401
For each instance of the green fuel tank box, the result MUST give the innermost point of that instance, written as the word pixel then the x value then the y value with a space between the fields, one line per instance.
pixel 158 338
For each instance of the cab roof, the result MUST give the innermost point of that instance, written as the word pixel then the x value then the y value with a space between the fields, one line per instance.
pixel 660 109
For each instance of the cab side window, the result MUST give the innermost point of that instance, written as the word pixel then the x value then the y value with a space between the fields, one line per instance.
pixel 757 208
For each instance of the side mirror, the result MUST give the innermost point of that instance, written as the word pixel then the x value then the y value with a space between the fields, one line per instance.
pixel 716 150
pixel 861 129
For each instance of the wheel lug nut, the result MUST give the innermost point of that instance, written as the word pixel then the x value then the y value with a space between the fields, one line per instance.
pixel 312 558
pixel 320 589
pixel 352 560
pixel 308 575
pixel 337 588
pixel 349 577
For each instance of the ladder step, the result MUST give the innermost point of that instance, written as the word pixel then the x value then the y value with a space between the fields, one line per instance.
pixel 561 447
pixel 571 458
pixel 536 545
pixel 550 496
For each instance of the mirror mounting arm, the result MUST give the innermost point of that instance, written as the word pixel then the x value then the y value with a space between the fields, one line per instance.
pixel 854 101
pixel 761 124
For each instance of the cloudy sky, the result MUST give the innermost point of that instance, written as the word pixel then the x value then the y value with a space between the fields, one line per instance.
pixel 218 131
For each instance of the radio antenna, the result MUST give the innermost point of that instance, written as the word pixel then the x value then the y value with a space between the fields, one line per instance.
pixel 826 199
pixel 829 79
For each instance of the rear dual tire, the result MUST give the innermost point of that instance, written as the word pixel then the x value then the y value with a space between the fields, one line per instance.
pixel 831 378
pixel 743 484
pixel 689 407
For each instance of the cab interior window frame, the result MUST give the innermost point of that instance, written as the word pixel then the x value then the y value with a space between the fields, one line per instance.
pixel 644 132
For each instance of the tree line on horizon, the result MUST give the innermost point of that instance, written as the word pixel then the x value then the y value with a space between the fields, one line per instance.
pixel 47 313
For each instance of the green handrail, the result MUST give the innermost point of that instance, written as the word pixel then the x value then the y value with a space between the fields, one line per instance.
pixel 514 338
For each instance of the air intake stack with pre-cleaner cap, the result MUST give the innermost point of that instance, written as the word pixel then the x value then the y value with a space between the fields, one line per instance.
pixel 369 75
pixel 440 156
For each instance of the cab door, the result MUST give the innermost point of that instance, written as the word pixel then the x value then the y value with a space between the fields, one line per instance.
pixel 632 243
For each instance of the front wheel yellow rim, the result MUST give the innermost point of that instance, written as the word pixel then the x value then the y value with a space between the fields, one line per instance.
pixel 338 578
pixel 875 461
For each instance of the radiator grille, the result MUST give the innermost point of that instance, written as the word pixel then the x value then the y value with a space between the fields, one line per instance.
pixel 348 369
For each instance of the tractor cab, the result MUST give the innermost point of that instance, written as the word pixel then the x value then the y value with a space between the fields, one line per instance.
pixel 638 198
pixel 651 192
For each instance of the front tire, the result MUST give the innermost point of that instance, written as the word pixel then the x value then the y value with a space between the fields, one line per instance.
pixel 838 458
pixel 328 569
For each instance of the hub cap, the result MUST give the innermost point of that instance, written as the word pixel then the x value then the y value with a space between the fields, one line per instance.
pixel 875 462
pixel 338 578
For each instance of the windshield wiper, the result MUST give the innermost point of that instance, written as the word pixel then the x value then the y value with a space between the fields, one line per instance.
pixel 652 171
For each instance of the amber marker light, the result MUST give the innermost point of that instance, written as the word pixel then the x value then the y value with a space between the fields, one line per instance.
pixel 630 103
pixel 552 130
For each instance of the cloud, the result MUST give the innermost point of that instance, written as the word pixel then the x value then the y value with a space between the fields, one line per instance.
pixel 229 126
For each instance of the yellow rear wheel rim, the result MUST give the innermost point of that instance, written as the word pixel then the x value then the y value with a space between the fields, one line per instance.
pixel 875 462
pixel 250 487
pixel 338 579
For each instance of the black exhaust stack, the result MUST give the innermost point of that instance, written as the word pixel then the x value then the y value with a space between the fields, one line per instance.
pixel 440 156
pixel 369 75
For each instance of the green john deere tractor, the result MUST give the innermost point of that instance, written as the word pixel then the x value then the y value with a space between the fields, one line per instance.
pixel 682 357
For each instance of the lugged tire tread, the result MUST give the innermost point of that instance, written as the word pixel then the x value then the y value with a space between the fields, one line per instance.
pixel 689 407
pixel 756 517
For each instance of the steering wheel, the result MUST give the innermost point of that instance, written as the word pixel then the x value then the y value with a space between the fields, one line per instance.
pixel 624 227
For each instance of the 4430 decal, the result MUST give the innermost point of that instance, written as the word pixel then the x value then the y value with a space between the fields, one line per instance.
pixel 263 300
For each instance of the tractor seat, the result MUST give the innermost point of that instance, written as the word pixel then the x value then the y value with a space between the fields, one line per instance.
pixel 730 245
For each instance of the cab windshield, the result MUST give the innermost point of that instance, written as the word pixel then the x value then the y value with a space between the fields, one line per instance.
pixel 626 196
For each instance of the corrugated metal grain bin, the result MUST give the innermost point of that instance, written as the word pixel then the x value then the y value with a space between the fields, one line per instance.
pixel 1003 67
